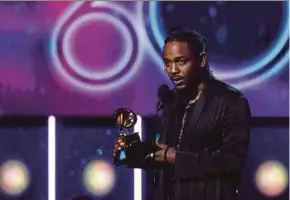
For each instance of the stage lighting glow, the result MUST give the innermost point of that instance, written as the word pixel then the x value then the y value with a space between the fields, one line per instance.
pixel 129 60
pixel 14 177
pixel 251 67
pixel 271 178
pixel 284 61
pixel 76 65
pixel 99 177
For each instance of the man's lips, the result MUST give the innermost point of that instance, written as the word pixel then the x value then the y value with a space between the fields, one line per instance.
pixel 177 80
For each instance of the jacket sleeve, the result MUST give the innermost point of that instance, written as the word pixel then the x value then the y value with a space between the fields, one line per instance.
pixel 230 157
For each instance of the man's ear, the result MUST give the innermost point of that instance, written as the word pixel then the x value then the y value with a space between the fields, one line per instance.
pixel 203 59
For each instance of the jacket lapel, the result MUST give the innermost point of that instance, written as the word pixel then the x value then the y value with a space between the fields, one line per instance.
pixel 199 108
pixel 208 93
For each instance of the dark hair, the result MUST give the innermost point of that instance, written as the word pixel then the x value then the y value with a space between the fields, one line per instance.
pixel 196 42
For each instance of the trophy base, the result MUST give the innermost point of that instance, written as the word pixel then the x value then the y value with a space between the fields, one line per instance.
pixel 131 142
pixel 120 158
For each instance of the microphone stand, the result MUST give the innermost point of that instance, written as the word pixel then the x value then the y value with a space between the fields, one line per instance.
pixel 154 147
pixel 154 155
pixel 154 141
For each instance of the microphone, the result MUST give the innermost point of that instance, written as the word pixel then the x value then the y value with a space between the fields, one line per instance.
pixel 163 94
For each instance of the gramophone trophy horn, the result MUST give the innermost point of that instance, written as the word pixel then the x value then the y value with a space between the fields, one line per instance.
pixel 125 120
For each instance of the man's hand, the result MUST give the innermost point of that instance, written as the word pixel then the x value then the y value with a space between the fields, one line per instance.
pixel 119 145
pixel 170 155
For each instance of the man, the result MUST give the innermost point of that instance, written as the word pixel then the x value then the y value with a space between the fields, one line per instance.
pixel 205 127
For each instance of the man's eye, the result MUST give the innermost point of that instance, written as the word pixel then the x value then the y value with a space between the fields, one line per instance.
pixel 167 64
pixel 181 62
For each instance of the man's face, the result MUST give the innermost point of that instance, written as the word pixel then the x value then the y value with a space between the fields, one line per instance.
pixel 180 64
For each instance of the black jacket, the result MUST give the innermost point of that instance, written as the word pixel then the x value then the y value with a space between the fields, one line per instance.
pixel 212 149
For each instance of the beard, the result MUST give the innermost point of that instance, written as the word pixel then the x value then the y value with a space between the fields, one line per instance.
pixel 191 89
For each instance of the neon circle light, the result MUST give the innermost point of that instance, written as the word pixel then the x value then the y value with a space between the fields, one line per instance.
pixel 274 69
pixel 251 67
pixel 58 67
pixel 75 64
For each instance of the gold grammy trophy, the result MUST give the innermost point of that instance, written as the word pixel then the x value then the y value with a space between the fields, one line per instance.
pixel 125 120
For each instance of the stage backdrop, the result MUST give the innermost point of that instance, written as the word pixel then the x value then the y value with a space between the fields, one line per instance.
pixel 88 58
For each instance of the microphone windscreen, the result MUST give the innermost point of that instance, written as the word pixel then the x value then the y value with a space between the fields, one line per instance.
pixel 163 92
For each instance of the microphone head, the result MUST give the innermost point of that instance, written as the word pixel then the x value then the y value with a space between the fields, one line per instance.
pixel 164 95
pixel 163 92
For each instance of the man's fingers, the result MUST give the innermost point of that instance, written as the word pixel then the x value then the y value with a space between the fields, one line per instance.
pixel 158 158
pixel 119 145
pixel 122 144
pixel 160 145
pixel 119 140
pixel 159 153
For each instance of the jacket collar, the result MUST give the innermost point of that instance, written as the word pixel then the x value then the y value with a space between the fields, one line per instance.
pixel 211 88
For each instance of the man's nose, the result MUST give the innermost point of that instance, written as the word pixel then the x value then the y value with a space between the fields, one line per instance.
pixel 174 69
